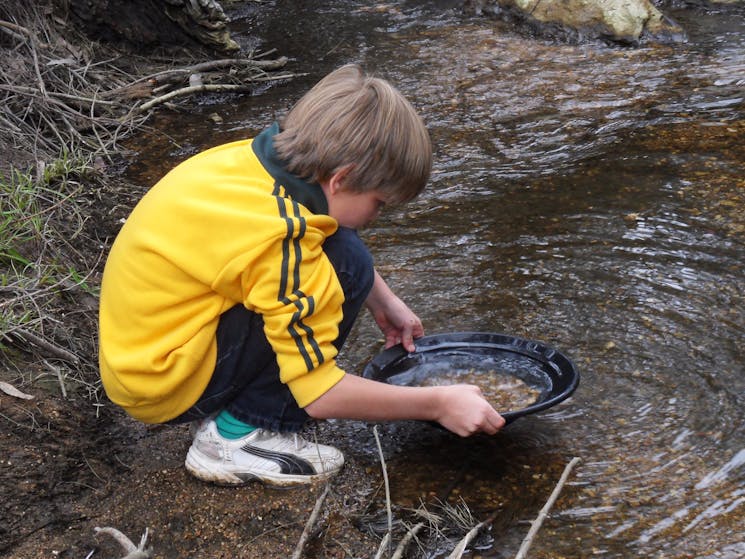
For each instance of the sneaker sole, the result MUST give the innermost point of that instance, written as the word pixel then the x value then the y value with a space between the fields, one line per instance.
pixel 207 470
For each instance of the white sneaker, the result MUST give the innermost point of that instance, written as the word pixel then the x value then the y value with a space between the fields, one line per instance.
pixel 274 458
pixel 196 425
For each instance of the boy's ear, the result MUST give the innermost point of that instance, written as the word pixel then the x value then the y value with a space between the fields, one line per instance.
pixel 337 181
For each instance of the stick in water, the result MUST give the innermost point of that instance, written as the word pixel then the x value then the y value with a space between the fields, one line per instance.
pixel 460 549
pixel 536 524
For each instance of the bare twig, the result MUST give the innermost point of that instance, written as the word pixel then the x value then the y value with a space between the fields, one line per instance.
pixel 54 349
pixel 265 53
pixel 385 544
pixel 60 379
pixel 536 524
pixel 194 89
pixel 167 75
pixel 387 490
pixel 236 88
pixel 310 524
pixel 32 91
pixel 40 79
pixel 132 551
pixel 457 553
pixel 19 30
pixel 403 544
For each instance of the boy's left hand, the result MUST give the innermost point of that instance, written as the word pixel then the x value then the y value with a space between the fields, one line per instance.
pixel 398 322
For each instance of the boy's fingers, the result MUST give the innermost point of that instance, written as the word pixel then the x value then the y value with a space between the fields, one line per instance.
pixel 493 422
pixel 392 338
pixel 496 422
pixel 407 339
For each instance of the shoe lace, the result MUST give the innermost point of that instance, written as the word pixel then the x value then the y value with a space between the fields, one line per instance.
pixel 293 438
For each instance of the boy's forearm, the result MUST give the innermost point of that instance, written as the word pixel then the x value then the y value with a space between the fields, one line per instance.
pixel 380 293
pixel 460 408
pixel 355 397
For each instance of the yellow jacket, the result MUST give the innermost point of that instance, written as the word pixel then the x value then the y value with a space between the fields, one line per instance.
pixel 228 226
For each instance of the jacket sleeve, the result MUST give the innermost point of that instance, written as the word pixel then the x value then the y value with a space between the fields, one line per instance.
pixel 294 287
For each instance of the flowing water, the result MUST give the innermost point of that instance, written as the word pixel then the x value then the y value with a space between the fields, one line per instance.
pixel 586 196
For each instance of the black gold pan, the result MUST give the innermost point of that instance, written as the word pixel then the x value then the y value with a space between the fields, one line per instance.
pixel 541 367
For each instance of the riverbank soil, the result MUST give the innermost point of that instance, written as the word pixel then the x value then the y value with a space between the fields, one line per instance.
pixel 66 470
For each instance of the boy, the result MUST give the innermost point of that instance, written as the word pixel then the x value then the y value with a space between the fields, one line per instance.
pixel 236 279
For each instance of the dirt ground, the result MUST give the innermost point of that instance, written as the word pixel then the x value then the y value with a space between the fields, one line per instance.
pixel 68 467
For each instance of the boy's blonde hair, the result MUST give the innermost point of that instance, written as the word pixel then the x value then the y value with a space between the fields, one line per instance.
pixel 361 122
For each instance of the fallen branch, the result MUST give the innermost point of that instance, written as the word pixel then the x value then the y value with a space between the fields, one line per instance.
pixel 167 75
pixel 387 496
pixel 194 89
pixel 239 88
pixel 43 344
pixel 310 524
pixel 536 524
pixel 457 553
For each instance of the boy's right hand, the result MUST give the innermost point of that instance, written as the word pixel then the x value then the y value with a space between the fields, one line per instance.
pixel 465 411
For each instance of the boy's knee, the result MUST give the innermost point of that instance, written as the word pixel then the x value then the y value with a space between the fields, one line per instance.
pixel 350 258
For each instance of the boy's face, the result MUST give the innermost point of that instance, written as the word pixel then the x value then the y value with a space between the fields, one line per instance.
pixel 350 208
pixel 355 209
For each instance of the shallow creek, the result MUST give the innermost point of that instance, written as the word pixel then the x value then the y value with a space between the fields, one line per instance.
pixel 589 197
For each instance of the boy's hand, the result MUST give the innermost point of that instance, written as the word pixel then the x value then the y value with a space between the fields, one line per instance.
pixel 398 322
pixel 464 411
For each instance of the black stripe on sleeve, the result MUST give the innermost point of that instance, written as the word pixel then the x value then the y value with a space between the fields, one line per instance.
pixel 292 251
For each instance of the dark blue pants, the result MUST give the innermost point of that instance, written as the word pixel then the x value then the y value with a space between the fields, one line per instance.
pixel 246 377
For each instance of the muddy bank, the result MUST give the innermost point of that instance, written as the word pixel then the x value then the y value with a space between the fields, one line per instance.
pixel 65 472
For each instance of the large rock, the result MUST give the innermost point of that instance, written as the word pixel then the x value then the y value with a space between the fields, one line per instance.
pixel 150 24
pixel 627 21
pixel 204 20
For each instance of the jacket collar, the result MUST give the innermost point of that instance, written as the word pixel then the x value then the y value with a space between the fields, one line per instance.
pixel 309 194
